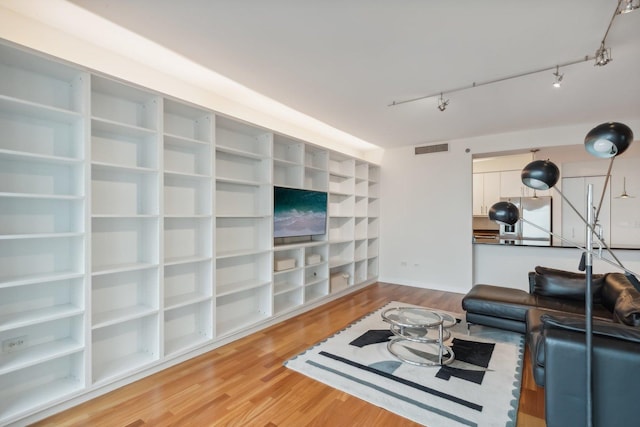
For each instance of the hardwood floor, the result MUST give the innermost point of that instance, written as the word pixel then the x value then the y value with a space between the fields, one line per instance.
pixel 245 383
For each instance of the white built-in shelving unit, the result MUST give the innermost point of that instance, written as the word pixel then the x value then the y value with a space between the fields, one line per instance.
pixel 136 231
pixel 243 225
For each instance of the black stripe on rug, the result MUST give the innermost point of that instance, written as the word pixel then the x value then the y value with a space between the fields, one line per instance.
pixel 408 383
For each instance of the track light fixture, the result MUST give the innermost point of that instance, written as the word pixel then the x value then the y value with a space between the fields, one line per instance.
pixel 558 76
pixel 442 104
pixel 603 56
pixel 627 6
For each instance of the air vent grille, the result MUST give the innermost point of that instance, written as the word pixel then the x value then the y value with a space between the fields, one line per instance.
pixel 428 149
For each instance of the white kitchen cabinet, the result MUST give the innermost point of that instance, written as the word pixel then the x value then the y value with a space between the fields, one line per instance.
pixel 486 191
pixel 136 230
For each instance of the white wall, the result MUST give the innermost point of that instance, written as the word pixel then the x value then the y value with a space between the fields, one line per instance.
pixel 426 216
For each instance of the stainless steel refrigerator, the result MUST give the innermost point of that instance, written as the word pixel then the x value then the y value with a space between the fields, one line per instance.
pixel 536 210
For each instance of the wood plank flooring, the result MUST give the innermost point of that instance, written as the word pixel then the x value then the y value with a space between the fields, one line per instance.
pixel 245 383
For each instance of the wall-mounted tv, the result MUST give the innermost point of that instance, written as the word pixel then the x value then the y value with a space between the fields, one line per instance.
pixel 299 212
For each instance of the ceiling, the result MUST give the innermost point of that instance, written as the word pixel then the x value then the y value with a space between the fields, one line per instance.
pixel 344 62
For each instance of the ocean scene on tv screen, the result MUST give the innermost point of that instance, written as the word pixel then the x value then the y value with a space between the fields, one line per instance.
pixel 299 212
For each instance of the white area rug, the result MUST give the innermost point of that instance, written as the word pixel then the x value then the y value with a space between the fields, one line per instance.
pixel 480 388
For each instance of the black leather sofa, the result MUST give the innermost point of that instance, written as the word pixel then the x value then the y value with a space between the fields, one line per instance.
pixel 551 315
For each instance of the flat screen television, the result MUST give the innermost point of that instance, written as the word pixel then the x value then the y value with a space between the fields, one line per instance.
pixel 298 212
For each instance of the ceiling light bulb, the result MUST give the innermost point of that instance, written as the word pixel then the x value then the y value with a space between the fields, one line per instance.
pixel 603 146
pixel 629 6
pixel 558 76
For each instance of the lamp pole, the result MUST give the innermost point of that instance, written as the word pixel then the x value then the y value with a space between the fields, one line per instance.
pixel 588 304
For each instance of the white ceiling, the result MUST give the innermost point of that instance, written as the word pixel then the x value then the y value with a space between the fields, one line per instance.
pixel 344 62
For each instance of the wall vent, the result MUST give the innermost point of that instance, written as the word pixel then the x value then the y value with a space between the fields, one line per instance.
pixel 428 149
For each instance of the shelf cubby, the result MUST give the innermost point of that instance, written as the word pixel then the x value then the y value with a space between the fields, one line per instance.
pixel 288 162
pixel 187 123
pixel 341 205
pixel 361 187
pixel 124 347
pixel 373 228
pixel 346 269
pixel 234 167
pixel 40 136
pixel 374 174
pixel 361 206
pixel 122 244
pixel 360 271
pixel 126 192
pixel 316 290
pixel 41 342
pixel 340 184
pixel 315 179
pixel 40 302
pixel 372 248
pixel 341 229
pixel 242 235
pixel 374 208
pixel 187 157
pixel 360 250
pixel 121 145
pixel 240 138
pixel 361 171
pixel 40 176
pixel 374 189
pixel 239 310
pixel 41 81
pixel 187 283
pixel 286 281
pixel 342 166
pixel 27 216
pixel 187 239
pixel 40 258
pixel 123 296
pixel 361 224
pixel 287 300
pixel 237 199
pixel 187 326
pixel 372 268
pixel 38 386
pixel 316 158
pixel 186 195
pixel 340 254
pixel 241 273
pixel 121 103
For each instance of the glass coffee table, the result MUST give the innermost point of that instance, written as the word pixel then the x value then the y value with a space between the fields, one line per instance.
pixel 420 335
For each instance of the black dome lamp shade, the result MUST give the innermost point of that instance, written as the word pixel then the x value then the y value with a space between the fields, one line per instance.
pixel 608 140
pixel 540 175
pixel 504 213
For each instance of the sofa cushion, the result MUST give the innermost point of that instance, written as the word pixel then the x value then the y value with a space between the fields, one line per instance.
pixel 496 301
pixel 550 282
pixel 614 285
pixel 627 308
pixel 599 327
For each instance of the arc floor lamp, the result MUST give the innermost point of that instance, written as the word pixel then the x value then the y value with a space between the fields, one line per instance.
pixel 607 140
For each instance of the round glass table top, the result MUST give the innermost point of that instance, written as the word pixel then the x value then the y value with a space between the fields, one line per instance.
pixel 417 317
